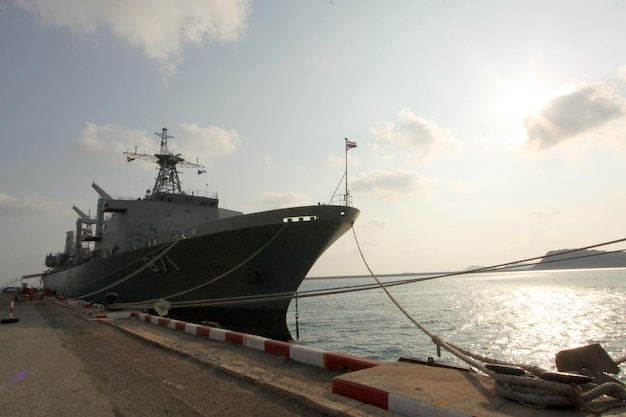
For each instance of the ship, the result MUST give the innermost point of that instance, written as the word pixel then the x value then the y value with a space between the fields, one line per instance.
pixel 178 254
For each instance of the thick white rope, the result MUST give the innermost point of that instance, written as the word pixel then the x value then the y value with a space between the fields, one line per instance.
pixel 528 390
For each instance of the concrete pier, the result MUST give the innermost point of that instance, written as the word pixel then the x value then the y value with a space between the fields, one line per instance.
pixel 35 354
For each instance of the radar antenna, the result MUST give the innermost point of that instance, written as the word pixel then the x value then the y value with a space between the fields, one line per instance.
pixel 167 180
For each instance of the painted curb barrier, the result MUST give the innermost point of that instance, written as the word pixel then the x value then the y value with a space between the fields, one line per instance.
pixel 89 304
pixel 114 316
pixel 308 355
pixel 277 347
pixel 332 361
pixel 343 362
pixel 255 342
pixel 217 334
pixel 363 393
pixel 313 356
pixel 389 401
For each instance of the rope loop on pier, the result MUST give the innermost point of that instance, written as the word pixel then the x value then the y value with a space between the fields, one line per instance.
pixel 528 388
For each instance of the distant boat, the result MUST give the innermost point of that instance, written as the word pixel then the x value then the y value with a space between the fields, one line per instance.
pixel 184 257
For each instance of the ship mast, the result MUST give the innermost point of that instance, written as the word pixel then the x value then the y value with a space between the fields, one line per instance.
pixel 167 180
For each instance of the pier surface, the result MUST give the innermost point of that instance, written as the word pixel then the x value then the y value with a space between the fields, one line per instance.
pixel 59 361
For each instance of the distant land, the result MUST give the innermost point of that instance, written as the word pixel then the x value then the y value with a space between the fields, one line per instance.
pixel 568 259
pixel 554 259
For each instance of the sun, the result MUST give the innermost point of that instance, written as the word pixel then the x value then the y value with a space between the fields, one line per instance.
pixel 520 101
pixel 517 102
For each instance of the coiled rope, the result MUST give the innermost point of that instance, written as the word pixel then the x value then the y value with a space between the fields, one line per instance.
pixel 528 389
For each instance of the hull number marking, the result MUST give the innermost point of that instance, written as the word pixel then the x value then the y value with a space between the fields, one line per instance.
pixel 159 263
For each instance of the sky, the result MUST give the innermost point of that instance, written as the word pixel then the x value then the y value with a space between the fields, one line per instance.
pixel 487 131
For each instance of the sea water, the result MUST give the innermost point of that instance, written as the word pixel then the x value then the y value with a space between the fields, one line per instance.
pixel 521 317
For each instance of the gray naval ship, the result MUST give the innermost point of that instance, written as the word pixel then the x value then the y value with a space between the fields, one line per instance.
pixel 183 257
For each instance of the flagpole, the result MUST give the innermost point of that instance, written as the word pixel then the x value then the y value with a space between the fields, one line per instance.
pixel 346 150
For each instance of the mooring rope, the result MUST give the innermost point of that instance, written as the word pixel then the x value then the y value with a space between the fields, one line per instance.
pixel 528 389
pixel 353 288
pixel 198 303
pixel 132 274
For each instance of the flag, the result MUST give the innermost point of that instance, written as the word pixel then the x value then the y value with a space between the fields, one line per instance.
pixel 201 171
pixel 128 159
pixel 350 144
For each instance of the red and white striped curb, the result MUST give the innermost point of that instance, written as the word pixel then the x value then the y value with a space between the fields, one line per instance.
pixel 333 361
pixel 73 302
pixel 113 315
pixel 304 354
pixel 89 304
pixel 313 356
pixel 329 360
pixel 389 401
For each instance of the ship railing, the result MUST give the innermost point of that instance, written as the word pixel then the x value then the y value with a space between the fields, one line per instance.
pixel 341 200
pixel 19 284
pixel 199 193
pixel 12 286
pixel 192 193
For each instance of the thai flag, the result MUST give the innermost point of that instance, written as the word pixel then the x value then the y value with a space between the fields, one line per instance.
pixel 350 144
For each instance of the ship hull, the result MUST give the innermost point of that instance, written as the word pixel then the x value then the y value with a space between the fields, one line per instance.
pixel 224 273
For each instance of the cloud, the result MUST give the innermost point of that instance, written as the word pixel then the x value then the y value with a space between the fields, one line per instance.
pixel 469 187
pixel 426 137
pixel 111 141
pixel 192 141
pixel 622 73
pixel 390 183
pixel 278 200
pixel 27 206
pixel 159 28
pixel 205 143
pixel 547 213
pixel 378 223
pixel 580 109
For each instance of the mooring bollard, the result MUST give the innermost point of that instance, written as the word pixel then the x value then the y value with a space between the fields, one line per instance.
pixel 11 319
